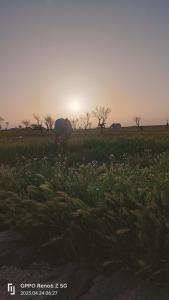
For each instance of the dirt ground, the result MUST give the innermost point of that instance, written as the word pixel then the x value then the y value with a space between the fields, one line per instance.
pixel 71 281
pixel 83 283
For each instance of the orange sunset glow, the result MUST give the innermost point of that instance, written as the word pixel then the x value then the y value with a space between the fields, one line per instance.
pixel 64 58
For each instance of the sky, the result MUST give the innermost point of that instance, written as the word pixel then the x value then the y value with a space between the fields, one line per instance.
pixel 65 57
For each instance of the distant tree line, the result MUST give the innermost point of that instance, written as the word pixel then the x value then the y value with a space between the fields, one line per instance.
pixel 40 123
pixel 83 122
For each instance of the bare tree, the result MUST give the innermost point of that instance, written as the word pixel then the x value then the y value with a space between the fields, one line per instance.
pixel 81 122
pixel 39 122
pixel 1 122
pixel 6 125
pixel 26 123
pixel 85 121
pixel 49 122
pixel 137 121
pixel 74 123
pixel 38 119
pixel 101 114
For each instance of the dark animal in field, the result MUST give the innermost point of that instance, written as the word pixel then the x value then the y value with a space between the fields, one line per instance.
pixel 63 129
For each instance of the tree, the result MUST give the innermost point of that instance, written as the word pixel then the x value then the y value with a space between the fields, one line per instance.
pixel 1 121
pixel 74 123
pixel 85 121
pixel 101 114
pixel 49 122
pixel 137 121
pixel 6 125
pixel 39 122
pixel 38 119
pixel 26 123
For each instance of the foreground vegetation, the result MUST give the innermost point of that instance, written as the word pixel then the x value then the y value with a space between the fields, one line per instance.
pixel 102 199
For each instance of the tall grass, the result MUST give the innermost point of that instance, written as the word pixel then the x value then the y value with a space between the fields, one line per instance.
pixel 80 150
pixel 99 199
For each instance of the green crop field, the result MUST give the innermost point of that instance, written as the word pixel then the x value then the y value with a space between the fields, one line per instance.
pixel 100 197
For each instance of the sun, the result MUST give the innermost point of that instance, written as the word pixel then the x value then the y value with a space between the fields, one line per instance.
pixel 75 105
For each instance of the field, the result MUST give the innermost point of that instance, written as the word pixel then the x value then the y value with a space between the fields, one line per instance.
pixel 102 198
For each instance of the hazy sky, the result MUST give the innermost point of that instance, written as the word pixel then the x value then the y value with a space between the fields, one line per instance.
pixel 112 53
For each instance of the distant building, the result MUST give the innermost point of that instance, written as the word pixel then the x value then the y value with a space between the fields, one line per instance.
pixel 115 125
